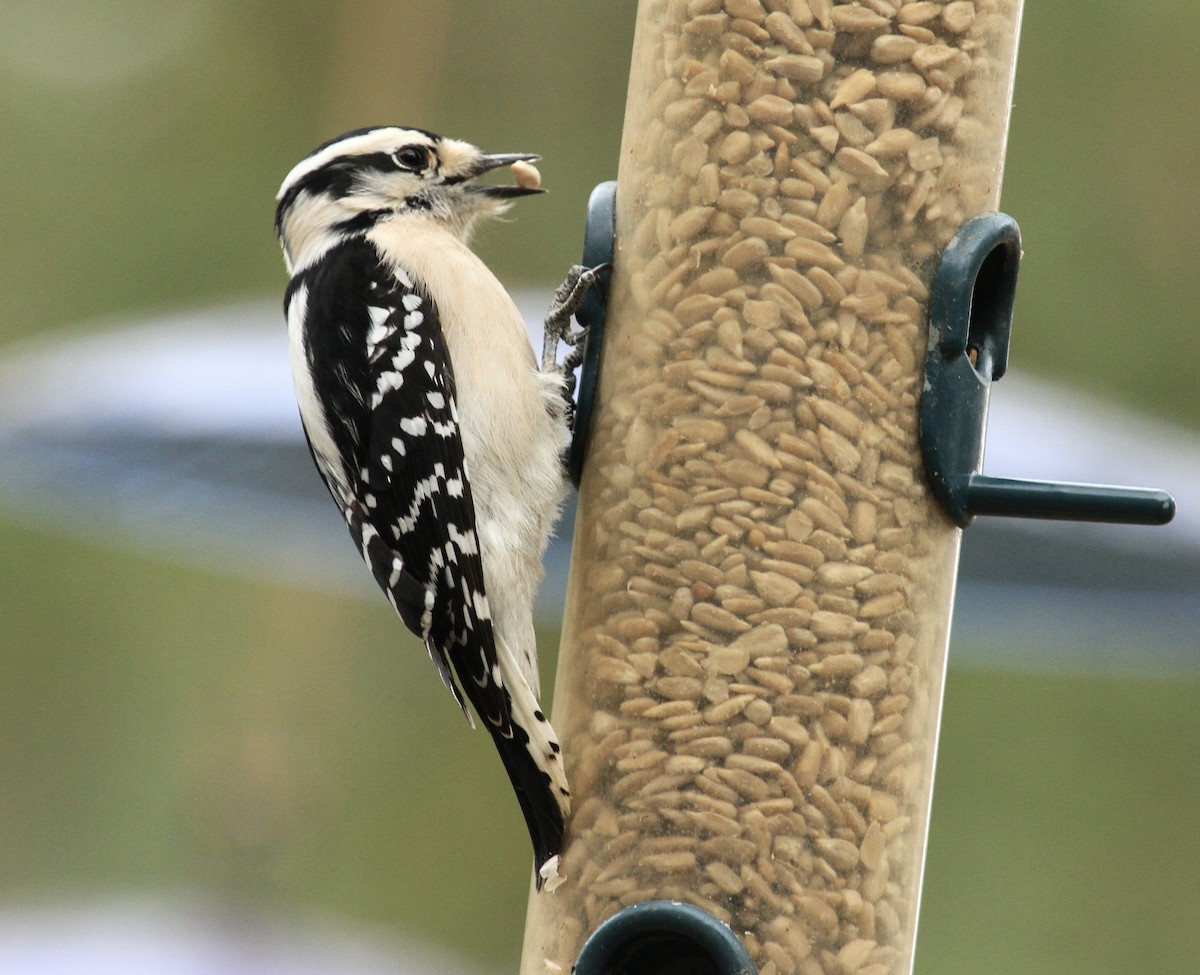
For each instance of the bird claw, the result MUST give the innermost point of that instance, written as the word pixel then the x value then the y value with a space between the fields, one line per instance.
pixel 568 298
pixel 566 302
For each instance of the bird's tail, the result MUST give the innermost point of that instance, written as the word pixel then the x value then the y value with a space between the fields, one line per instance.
pixel 533 759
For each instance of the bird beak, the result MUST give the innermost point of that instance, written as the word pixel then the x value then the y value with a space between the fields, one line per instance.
pixel 494 161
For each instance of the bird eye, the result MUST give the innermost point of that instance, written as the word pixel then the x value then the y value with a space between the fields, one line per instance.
pixel 412 157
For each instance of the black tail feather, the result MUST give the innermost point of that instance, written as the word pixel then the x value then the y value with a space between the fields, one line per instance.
pixel 543 814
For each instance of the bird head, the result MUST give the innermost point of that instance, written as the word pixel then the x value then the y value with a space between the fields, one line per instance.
pixel 352 182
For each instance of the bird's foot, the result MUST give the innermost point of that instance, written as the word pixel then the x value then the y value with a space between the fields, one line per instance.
pixel 558 328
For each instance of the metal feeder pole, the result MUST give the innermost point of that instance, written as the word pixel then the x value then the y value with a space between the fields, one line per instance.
pixel 771 493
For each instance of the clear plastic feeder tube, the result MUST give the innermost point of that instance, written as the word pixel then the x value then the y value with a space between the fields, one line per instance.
pixel 754 647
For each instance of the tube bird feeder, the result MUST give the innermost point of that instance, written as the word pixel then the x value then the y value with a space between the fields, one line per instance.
pixel 751 671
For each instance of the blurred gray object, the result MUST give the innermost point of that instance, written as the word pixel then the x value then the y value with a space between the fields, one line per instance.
pixel 180 435
pixel 175 936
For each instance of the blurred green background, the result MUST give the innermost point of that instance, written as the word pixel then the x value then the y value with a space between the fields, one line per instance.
pixel 163 728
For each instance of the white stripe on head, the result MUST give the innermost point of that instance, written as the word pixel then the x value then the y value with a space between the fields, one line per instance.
pixel 382 139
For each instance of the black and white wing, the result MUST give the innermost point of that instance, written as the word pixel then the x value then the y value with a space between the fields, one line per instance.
pixel 384 432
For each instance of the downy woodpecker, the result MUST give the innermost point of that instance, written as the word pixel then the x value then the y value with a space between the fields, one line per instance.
pixel 433 427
